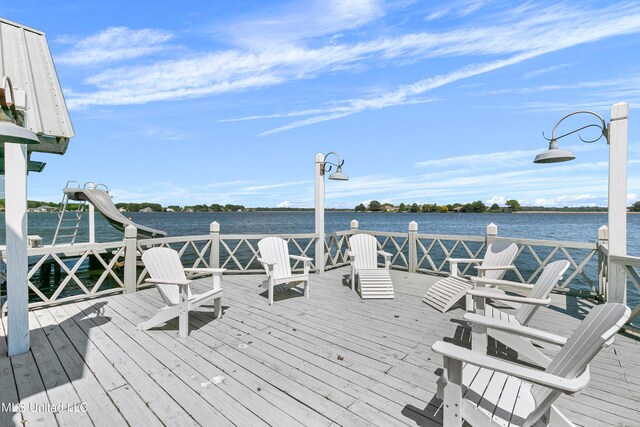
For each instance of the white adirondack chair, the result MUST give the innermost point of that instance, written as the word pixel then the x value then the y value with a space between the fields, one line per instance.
pixel 487 315
pixel 275 258
pixel 445 293
pixel 486 391
pixel 373 281
pixel 166 272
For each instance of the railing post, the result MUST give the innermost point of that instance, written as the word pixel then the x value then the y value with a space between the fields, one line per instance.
pixel 354 226
pixel 603 261
pixel 130 256
pixel 413 246
pixel 492 233
pixel 214 251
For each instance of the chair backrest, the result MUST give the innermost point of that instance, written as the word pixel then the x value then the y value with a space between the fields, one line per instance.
pixel 541 290
pixel 365 247
pixel 499 253
pixel 164 263
pixel 597 330
pixel 276 250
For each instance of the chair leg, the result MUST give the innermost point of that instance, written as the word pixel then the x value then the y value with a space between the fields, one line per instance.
pixel 162 316
pixel 558 419
pixel 217 308
pixel 183 321
pixel 452 414
pixel 271 285
pixel 353 279
pixel 479 339
pixel 306 288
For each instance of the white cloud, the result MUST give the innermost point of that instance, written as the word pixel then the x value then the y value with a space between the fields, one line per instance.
pixel 536 73
pixel 304 20
pixel 502 158
pixel 499 159
pixel 531 46
pixel 114 44
pixel 284 204
pixel 496 199
pixel 572 200
pixel 462 9
pixel 535 33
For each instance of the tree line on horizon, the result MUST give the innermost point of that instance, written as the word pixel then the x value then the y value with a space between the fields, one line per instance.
pixel 156 207
pixel 511 205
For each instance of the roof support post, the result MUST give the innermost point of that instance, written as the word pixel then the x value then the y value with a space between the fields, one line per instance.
pixel 15 192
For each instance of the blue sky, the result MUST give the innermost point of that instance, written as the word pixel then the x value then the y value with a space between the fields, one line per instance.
pixel 429 102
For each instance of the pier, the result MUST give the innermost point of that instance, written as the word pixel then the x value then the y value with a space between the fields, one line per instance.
pixel 333 359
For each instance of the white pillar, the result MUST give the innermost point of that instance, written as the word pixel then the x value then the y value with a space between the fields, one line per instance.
pixel 130 259
pixel 92 223
pixel 319 208
pixel 618 137
pixel 15 193
pixel 492 233
pixel 412 237
pixel 92 216
pixel 214 250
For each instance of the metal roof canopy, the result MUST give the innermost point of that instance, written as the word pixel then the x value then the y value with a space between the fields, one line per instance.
pixel 26 59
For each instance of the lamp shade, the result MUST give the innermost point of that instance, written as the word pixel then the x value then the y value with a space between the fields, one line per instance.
pixel 554 154
pixel 338 175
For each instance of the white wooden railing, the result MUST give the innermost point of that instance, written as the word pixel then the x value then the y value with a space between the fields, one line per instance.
pixel 427 253
pixel 631 264
pixel 87 270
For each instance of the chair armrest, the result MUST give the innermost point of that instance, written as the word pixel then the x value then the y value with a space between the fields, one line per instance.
pixel 266 263
pixel 351 254
pixel 494 267
pixel 501 283
pixel 512 298
pixel 464 260
pixel 301 258
pixel 515 328
pixel 215 271
pixel 531 375
pixel 167 282
pixel 384 254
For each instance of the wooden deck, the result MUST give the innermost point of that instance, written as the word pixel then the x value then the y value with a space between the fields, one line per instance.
pixel 333 359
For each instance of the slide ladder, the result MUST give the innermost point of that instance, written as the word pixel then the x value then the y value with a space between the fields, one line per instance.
pixel 68 221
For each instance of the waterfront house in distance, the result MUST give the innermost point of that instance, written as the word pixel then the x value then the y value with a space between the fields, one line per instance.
pixel 44 208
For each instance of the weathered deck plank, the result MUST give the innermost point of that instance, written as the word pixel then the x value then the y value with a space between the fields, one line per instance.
pixel 8 391
pixel 332 359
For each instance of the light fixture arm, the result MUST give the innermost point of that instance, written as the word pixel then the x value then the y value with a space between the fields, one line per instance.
pixel 8 108
pixel 602 126
pixel 323 167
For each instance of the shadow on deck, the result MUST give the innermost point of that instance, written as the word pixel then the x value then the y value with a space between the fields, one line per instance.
pixel 329 359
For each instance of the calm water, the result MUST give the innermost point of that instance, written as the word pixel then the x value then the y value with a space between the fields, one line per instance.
pixel 573 227
pixel 568 227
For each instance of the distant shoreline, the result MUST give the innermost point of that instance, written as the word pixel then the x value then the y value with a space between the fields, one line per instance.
pixel 565 212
